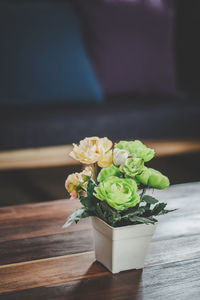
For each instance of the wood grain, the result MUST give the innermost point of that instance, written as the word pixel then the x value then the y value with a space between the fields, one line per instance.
pixel 59 155
pixel 34 220
pixel 49 271
pixel 41 210
pixel 38 220
pixel 178 281
pixel 41 261
pixel 28 249
pixel 160 252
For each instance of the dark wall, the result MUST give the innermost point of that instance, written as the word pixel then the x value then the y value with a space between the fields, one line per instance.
pixel 187 44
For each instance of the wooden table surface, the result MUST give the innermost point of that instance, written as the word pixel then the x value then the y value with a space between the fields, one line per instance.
pixel 40 260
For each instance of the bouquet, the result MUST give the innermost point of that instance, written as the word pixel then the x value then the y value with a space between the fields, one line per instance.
pixel 115 182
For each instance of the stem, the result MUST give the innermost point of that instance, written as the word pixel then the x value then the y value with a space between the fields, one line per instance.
pixel 95 171
pixel 143 192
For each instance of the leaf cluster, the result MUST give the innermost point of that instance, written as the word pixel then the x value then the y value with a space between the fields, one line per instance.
pixel 145 212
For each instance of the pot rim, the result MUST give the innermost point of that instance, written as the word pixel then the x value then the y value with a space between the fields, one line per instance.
pixel 126 226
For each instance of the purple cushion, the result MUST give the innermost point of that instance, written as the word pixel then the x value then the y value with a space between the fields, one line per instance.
pixel 130 44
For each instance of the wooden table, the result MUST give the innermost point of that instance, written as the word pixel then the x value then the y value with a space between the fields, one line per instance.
pixel 39 260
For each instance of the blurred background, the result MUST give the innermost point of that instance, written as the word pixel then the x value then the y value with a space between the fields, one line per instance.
pixel 125 69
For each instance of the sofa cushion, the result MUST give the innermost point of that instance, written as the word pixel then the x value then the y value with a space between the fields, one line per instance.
pixel 130 44
pixel 42 55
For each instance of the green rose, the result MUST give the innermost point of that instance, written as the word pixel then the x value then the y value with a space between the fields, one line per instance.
pixel 119 193
pixel 132 166
pixel 153 178
pixel 138 148
pixel 107 172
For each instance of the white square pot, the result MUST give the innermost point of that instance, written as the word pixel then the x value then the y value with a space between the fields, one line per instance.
pixel 121 248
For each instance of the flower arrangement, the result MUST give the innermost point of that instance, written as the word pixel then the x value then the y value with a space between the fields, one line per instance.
pixel 113 186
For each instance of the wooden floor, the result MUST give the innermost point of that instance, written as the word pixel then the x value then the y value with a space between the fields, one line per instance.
pixel 39 260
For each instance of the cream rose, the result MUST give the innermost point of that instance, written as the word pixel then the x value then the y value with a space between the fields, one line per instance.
pixel 94 149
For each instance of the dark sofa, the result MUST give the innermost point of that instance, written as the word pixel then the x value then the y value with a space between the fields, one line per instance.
pixel 64 124
pixel 124 113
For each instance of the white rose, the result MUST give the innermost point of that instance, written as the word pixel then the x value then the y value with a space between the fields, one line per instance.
pixel 120 156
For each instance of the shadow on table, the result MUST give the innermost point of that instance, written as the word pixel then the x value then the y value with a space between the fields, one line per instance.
pixel 106 286
pixel 100 285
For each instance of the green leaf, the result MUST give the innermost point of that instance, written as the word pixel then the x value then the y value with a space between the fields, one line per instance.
pixel 100 213
pixel 153 219
pixel 90 187
pixel 158 209
pixel 75 216
pixel 137 212
pixel 89 203
pixel 108 214
pixel 147 207
pixel 141 220
pixel 143 192
pixel 112 215
pixel 166 211
pixel 150 200
pixel 87 214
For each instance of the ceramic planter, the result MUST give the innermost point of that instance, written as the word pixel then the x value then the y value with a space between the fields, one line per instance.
pixel 121 248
